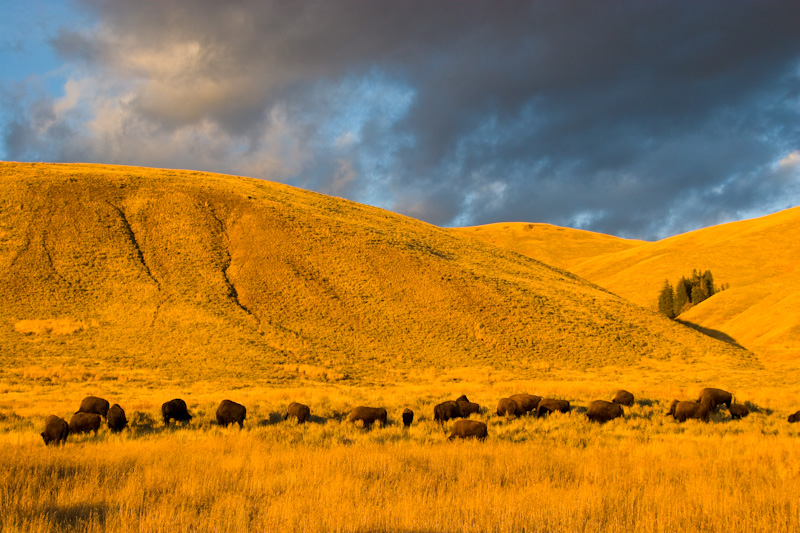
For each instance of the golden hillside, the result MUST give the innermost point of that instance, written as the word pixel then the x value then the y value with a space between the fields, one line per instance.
pixel 758 258
pixel 179 276
pixel 553 245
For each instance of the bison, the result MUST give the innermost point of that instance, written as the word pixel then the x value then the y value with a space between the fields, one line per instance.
pixel 465 429
pixel 230 412
pixel 408 417
pixel 623 397
pixel 713 398
pixel 55 431
pixel 508 407
pixel 116 418
pixel 446 411
pixel 526 402
pixel 368 415
pixel 467 408
pixel 738 411
pixel 299 411
pixel 175 410
pixel 84 423
pixel 681 411
pixel 93 404
pixel 549 405
pixel 794 418
pixel 603 411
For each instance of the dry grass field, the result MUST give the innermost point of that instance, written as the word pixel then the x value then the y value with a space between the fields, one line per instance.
pixel 757 258
pixel 142 285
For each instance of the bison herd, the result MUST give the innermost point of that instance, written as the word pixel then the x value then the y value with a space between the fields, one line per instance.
pixel 92 411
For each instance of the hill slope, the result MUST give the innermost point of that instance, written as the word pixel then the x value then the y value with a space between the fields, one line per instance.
pixel 553 245
pixel 195 276
pixel 758 258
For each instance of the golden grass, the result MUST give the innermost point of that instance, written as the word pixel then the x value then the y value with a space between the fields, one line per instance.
pixel 644 473
pixel 143 285
pixel 757 258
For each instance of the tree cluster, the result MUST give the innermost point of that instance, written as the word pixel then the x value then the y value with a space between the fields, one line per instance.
pixel 687 293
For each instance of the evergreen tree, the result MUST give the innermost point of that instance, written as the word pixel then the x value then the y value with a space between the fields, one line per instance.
pixel 681 297
pixel 697 295
pixel 707 284
pixel 666 300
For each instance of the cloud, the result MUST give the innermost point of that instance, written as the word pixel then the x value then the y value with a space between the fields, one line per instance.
pixel 640 119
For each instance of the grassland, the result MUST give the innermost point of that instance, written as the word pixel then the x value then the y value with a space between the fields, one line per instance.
pixel 142 285
pixel 757 258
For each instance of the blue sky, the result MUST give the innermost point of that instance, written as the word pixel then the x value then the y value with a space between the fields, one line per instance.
pixel 638 119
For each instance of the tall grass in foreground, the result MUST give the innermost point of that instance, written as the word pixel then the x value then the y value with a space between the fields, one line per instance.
pixel 644 474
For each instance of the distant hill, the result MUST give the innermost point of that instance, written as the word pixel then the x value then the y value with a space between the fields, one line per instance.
pixel 759 258
pixel 553 245
pixel 193 276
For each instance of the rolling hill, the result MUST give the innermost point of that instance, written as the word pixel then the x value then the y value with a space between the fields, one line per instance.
pixel 758 258
pixel 179 276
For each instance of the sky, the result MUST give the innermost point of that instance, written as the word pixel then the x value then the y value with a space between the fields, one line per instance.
pixel 641 119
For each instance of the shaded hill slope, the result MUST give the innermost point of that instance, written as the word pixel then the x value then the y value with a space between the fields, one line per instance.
pixel 553 245
pixel 196 276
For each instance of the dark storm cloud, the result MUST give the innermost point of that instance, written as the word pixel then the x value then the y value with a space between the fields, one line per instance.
pixel 634 118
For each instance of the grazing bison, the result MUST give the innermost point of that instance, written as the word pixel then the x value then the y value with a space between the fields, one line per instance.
pixel 681 411
pixel 446 411
pixel 794 418
pixel 603 411
pixel 526 402
pixel 467 408
pixel 368 415
pixel 508 407
pixel 175 410
pixel 738 410
pixel 84 423
pixel 408 417
pixel 465 429
pixel 549 405
pixel 299 411
pixel 230 412
pixel 55 431
pixel 93 404
pixel 116 418
pixel 623 397
pixel 713 398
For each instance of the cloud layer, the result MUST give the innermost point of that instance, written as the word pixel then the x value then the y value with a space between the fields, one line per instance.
pixel 639 119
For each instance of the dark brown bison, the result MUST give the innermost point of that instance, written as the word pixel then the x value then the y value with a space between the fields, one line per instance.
pixel 84 423
pixel 368 415
pixel 508 407
pixel 408 417
pixel 93 404
pixel 794 418
pixel 467 408
pixel 603 411
pixel 549 405
pixel 713 398
pixel 55 431
pixel 738 411
pixel 462 398
pixel 465 429
pixel 623 397
pixel 681 411
pixel 526 402
pixel 299 411
pixel 116 418
pixel 230 412
pixel 175 410
pixel 446 411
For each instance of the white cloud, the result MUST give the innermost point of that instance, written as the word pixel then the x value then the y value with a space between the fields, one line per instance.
pixel 791 160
